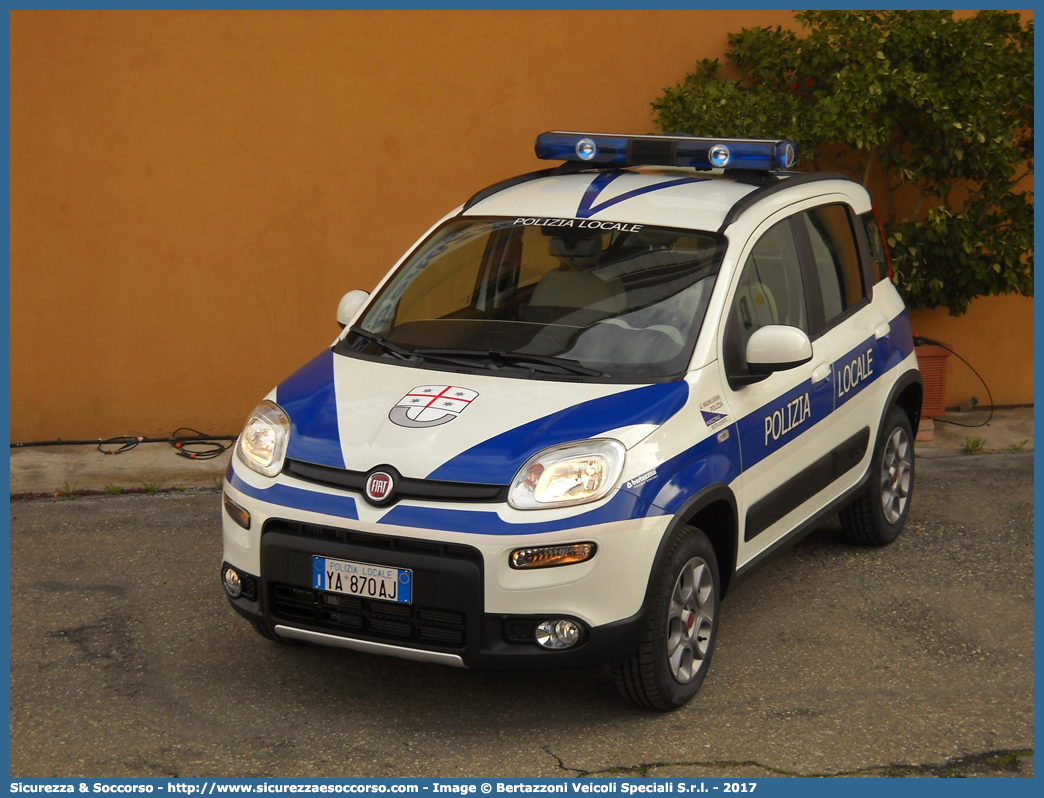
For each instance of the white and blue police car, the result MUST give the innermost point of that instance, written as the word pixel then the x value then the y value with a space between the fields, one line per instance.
pixel 578 411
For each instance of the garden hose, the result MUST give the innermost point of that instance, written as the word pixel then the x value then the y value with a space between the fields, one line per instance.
pixel 919 340
pixel 195 446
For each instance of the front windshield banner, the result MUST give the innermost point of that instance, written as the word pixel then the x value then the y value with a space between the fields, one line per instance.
pixel 580 224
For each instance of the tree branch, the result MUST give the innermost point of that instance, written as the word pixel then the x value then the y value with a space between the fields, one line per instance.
pixel 1016 180
pixel 921 195
pixel 889 188
pixel 924 191
pixel 869 163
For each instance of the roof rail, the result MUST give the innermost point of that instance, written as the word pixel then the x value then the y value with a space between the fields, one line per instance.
pixel 772 188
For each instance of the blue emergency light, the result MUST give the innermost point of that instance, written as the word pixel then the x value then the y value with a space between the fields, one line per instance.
pixel 612 149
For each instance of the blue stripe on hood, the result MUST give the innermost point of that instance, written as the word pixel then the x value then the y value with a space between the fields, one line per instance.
pixel 498 459
pixel 307 396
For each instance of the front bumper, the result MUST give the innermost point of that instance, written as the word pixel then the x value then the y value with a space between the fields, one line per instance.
pixel 446 623
pixel 469 607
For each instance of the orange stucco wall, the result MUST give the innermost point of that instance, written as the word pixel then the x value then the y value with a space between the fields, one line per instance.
pixel 191 193
pixel 995 336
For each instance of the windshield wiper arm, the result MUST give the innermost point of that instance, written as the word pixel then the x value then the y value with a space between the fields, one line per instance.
pixel 450 355
pixel 572 366
pixel 383 343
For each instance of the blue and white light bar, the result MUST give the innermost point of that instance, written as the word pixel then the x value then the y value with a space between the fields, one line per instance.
pixel 614 149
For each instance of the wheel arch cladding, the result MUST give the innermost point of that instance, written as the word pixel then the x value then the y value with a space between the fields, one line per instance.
pixel 906 393
pixel 717 520
pixel 713 512
pixel 909 399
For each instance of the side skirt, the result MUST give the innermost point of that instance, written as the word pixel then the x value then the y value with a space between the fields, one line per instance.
pixel 801 530
pixel 803 486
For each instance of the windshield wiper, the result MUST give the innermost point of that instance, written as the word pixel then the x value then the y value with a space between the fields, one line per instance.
pixel 498 358
pixel 383 343
pixel 513 358
pixel 568 364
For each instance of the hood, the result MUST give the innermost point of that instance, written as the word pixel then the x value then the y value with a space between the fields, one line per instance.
pixel 358 414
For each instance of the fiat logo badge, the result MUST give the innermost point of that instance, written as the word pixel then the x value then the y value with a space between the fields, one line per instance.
pixel 379 486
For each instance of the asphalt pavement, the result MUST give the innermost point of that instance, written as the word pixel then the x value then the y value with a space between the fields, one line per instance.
pixel 912 660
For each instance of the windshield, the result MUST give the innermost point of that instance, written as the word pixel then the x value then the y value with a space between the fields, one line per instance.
pixel 547 296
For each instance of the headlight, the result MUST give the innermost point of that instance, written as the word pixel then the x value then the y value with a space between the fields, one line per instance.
pixel 262 446
pixel 573 473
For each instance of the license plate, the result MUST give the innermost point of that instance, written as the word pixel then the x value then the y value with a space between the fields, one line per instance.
pixel 362 579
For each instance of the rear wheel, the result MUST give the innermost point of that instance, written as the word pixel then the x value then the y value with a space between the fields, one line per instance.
pixel 675 652
pixel 877 517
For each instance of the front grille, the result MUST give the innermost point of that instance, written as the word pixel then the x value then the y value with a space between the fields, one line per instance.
pixel 376 542
pixel 401 623
pixel 432 490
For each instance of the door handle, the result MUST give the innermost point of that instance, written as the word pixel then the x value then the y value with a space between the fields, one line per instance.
pixel 882 330
pixel 820 372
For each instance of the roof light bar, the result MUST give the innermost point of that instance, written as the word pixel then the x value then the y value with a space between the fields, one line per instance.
pixel 622 150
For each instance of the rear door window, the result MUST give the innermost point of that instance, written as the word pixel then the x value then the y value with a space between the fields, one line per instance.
pixel 875 241
pixel 836 259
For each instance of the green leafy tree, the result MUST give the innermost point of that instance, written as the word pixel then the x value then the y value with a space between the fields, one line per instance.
pixel 933 115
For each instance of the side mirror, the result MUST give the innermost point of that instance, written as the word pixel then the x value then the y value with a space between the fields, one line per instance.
pixel 777 347
pixel 349 306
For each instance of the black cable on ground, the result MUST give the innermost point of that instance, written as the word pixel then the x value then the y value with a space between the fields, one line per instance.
pixel 121 440
pixel 207 447
pixel 58 442
pixel 195 446
pixel 920 339
pixel 123 444
pixel 129 441
pixel 204 447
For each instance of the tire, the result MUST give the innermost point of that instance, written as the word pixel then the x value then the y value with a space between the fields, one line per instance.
pixel 877 516
pixel 648 678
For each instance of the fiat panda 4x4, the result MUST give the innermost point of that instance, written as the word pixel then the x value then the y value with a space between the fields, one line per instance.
pixel 578 411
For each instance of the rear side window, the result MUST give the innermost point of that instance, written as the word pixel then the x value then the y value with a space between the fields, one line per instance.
pixel 878 253
pixel 836 259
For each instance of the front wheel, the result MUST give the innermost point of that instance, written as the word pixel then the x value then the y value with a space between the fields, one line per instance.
pixel 675 652
pixel 877 517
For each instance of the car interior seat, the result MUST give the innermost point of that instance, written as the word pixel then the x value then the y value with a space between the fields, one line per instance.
pixel 574 284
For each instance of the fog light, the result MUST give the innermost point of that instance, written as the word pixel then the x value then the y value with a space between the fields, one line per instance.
pixel 550 556
pixel 237 513
pixel 557 634
pixel 233 584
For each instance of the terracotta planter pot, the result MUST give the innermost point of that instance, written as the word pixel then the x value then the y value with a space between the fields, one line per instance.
pixel 933 361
